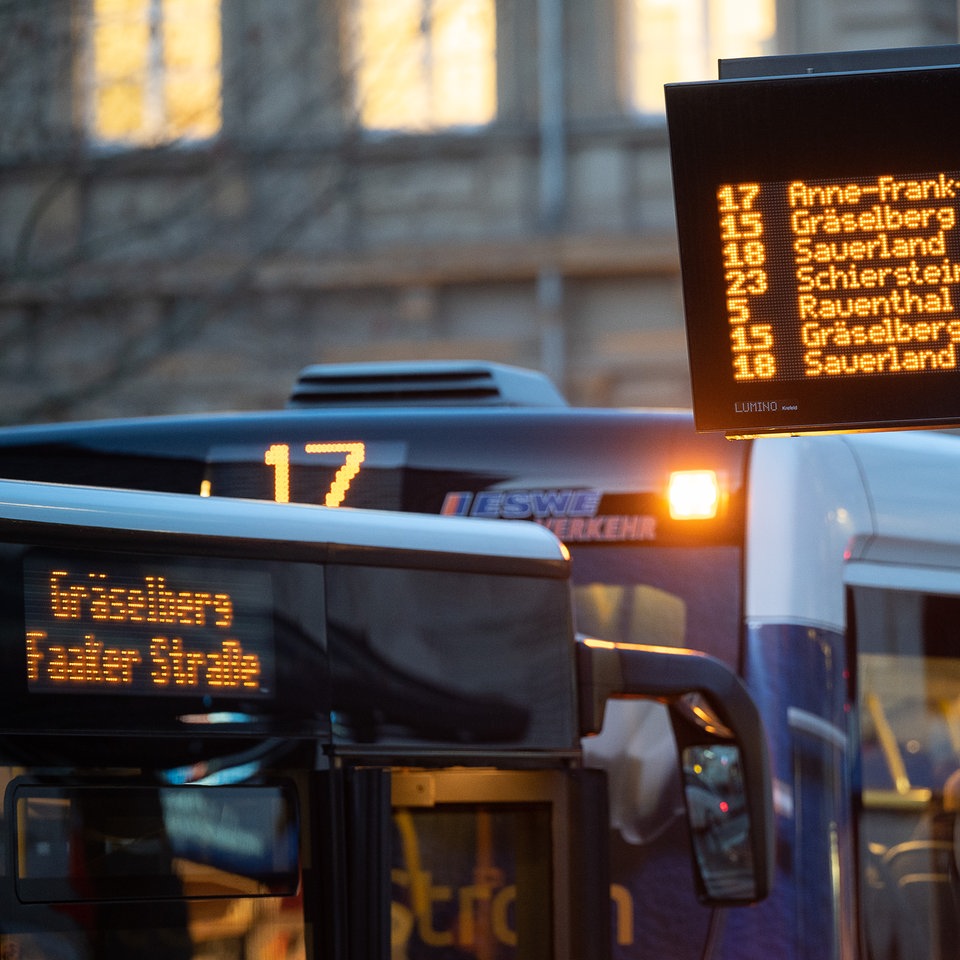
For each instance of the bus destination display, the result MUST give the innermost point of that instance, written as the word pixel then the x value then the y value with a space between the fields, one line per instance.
pixel 820 252
pixel 333 473
pixel 164 628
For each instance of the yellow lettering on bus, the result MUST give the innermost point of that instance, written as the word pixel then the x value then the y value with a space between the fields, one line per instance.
pixel 428 934
pixel 277 455
pixel 500 917
pixel 623 905
pixel 355 455
pixel 34 656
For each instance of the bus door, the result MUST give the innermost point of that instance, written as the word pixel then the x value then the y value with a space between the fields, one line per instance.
pixel 904 610
pixel 455 730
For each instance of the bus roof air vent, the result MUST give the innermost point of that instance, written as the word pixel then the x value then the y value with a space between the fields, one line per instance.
pixel 423 383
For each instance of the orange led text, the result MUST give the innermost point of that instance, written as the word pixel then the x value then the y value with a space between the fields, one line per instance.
pixel 92 596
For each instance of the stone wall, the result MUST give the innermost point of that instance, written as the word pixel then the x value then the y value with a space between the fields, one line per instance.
pixel 184 279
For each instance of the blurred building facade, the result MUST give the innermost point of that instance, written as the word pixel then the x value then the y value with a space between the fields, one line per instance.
pixel 199 197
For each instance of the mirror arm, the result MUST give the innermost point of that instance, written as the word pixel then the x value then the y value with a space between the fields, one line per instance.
pixel 625 671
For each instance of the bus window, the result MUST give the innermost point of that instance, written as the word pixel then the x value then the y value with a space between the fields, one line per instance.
pixel 660 595
pixel 908 694
pixel 397 671
pixel 625 610
pixel 77 843
pixel 468 899
pixel 477 870
pixel 151 872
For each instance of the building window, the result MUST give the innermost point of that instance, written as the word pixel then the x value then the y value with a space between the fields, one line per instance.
pixel 424 64
pixel 680 40
pixel 154 71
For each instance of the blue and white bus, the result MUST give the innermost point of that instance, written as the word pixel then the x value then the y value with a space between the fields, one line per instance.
pixel 824 570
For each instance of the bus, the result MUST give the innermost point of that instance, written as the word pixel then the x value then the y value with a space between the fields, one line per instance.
pixel 824 570
pixel 233 729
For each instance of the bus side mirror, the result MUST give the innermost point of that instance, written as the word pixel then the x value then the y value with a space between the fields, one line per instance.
pixel 722 752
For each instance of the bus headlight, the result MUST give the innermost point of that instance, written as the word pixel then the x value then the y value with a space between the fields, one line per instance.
pixel 693 494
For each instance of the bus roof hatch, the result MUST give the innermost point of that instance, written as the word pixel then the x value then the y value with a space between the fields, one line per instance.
pixel 423 383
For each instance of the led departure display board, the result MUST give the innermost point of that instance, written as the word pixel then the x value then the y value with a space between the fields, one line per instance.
pixel 168 627
pixel 819 229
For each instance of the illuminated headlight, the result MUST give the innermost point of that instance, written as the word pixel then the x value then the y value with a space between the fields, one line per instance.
pixel 693 495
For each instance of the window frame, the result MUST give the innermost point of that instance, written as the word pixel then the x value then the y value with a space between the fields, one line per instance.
pixel 426 81
pixel 155 128
pixel 639 101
